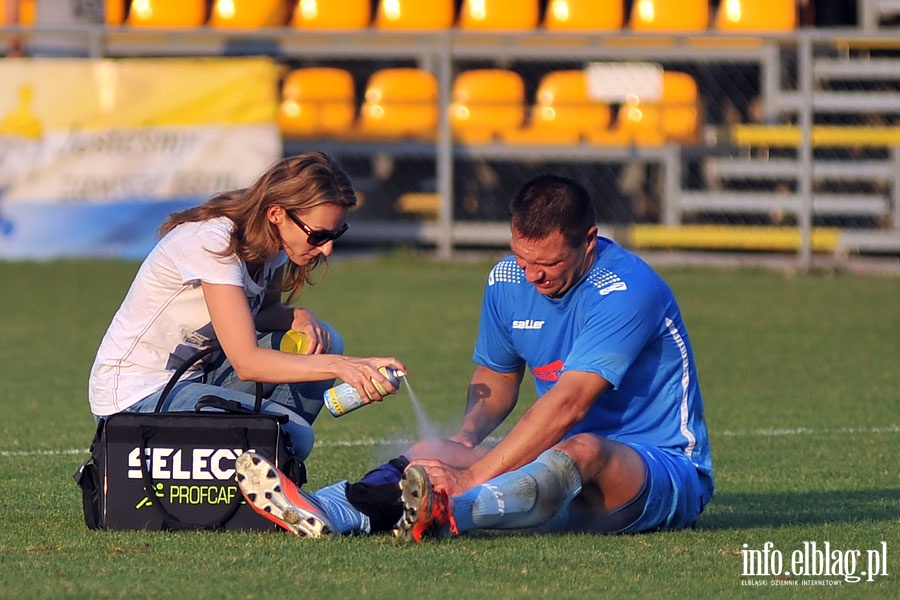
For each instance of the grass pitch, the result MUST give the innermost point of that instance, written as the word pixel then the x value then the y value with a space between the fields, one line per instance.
pixel 799 377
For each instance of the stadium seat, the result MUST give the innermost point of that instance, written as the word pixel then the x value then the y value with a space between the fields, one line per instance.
pixel 670 16
pixel 485 103
pixel 249 14
pixel 498 15
pixel 584 15
pixel 317 102
pixel 399 103
pixel 332 14
pixel 167 13
pixel 756 15
pixel 414 14
pixel 563 112
pixel 675 116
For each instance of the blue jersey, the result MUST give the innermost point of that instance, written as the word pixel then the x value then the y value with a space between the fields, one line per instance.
pixel 620 321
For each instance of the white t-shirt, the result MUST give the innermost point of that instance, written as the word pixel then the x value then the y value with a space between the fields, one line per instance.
pixel 164 319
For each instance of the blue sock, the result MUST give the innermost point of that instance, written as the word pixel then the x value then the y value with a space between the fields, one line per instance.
pixel 344 515
pixel 523 498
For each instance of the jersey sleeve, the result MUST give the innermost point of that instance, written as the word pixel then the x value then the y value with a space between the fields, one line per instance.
pixel 494 348
pixel 196 257
pixel 617 330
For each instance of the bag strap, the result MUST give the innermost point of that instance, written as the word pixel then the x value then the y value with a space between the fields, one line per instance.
pixel 187 364
pixel 171 522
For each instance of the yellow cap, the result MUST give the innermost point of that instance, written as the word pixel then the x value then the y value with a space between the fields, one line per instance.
pixel 294 342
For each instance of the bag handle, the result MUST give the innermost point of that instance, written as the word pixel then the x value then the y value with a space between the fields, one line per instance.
pixel 187 364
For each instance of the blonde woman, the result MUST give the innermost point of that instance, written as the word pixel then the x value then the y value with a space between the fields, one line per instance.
pixel 217 276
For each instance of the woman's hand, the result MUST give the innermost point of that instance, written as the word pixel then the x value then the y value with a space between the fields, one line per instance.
pixel 306 322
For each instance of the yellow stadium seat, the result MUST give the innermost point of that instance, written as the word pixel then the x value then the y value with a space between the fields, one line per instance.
pixel 249 14
pixel 756 15
pixel 332 14
pixel 498 15
pixel 114 11
pixel 584 15
pixel 563 113
pixel 414 14
pixel 399 103
pixel 671 16
pixel 167 13
pixel 317 102
pixel 675 116
pixel 485 103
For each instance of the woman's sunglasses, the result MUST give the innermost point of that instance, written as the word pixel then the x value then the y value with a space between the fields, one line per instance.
pixel 317 237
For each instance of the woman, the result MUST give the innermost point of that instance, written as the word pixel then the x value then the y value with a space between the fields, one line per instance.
pixel 218 274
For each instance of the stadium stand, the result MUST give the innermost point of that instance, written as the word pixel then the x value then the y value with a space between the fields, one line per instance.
pixel 414 15
pixel 317 102
pixel 485 104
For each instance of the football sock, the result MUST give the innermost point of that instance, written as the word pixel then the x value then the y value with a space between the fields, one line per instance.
pixel 527 497
pixel 344 515
pixel 369 505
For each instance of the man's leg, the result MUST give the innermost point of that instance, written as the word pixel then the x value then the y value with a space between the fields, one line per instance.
pixel 604 474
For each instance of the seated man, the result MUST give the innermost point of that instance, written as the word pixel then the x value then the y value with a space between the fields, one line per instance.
pixel 616 441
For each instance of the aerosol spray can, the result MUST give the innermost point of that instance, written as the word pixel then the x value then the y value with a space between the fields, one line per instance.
pixel 343 398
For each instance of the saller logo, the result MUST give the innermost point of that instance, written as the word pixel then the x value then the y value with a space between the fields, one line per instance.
pixel 528 324
pixel 198 464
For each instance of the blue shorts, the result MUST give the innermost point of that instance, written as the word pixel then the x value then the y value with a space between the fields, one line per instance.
pixel 673 495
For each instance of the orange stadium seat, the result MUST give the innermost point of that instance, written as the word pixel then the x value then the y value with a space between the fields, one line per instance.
pixel 584 15
pixel 414 14
pixel 317 102
pixel 675 116
pixel 498 15
pixel 249 14
pixel 485 103
pixel 756 15
pixel 332 14
pixel 399 103
pixel 671 16
pixel 167 13
pixel 563 113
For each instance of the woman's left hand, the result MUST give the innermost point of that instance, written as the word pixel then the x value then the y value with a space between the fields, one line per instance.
pixel 306 322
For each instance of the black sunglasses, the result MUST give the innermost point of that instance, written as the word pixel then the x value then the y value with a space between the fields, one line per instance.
pixel 317 237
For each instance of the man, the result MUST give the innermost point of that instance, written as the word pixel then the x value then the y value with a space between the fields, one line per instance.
pixel 616 441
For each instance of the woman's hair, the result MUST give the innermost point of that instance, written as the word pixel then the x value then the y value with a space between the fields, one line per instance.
pixel 295 183
pixel 551 203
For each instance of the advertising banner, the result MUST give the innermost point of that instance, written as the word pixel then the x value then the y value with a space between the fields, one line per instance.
pixel 95 153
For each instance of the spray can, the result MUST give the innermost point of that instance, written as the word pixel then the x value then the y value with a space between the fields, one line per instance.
pixel 343 398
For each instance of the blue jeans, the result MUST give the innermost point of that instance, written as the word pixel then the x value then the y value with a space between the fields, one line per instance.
pixel 301 402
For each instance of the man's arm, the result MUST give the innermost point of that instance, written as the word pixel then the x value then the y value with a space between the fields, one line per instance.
pixel 491 397
pixel 540 428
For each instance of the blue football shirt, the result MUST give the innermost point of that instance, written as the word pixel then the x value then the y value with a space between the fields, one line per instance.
pixel 621 321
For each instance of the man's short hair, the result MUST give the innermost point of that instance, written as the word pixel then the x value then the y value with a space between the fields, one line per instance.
pixel 551 203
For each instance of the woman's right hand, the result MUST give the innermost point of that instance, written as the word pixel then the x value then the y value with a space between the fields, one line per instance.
pixel 363 374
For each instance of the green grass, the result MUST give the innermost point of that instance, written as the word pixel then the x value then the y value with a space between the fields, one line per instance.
pixel 799 378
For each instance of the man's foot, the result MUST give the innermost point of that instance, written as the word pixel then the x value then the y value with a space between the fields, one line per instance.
pixel 278 499
pixel 426 511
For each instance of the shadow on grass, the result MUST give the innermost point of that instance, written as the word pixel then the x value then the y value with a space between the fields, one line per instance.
pixel 746 511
